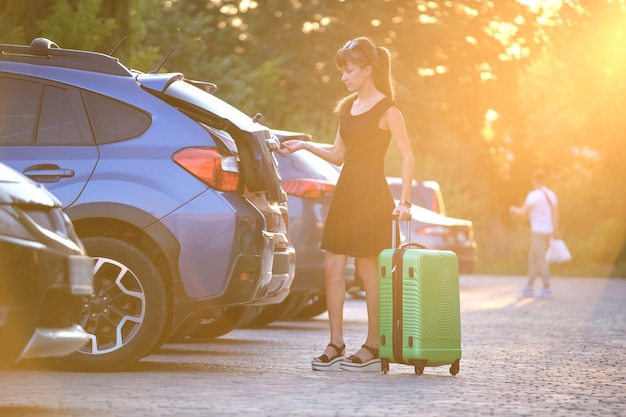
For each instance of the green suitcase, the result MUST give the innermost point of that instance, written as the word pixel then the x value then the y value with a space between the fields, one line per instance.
pixel 419 307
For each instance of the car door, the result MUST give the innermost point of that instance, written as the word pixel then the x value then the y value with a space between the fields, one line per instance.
pixel 45 134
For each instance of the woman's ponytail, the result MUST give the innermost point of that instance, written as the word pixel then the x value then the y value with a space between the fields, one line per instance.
pixel 382 74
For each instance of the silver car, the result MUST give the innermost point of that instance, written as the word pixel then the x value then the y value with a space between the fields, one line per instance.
pixel 43 268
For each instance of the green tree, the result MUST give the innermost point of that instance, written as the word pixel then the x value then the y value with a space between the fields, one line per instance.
pixel 96 25
pixel 489 89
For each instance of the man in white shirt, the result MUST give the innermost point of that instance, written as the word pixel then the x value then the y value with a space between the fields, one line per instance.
pixel 541 207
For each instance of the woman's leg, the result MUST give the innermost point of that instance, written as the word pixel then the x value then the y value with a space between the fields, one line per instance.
pixel 334 267
pixel 368 271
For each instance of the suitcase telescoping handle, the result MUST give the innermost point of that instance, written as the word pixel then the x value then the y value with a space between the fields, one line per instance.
pixel 395 226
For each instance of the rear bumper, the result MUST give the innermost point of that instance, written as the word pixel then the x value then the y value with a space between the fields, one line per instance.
pixel 310 278
pixel 283 273
pixel 223 256
pixel 251 278
pixel 467 258
pixel 467 264
pixel 54 342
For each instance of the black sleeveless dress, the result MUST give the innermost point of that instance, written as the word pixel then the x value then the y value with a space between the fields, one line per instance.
pixel 359 218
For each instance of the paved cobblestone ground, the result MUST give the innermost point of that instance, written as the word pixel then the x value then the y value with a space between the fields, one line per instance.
pixel 521 357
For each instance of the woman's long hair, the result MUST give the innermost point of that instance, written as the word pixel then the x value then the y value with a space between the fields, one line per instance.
pixel 362 52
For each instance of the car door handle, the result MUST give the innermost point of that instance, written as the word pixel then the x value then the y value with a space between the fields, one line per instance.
pixel 48 173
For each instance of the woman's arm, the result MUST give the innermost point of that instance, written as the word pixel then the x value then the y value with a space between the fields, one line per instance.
pixel 334 153
pixel 395 121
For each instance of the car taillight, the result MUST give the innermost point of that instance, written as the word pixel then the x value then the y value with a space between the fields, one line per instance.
pixel 436 207
pixel 216 169
pixel 433 230
pixel 308 188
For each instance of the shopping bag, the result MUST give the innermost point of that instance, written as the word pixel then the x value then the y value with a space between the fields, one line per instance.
pixel 558 252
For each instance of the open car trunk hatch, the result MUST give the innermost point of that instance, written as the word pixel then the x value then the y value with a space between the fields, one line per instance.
pixel 257 165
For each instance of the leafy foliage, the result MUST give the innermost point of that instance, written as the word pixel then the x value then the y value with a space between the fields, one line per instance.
pixel 490 90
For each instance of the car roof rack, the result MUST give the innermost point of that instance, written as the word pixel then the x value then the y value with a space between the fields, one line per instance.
pixel 43 51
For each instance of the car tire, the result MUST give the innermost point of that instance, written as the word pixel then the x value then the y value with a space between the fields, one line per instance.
pixel 219 322
pixel 277 312
pixel 315 306
pixel 249 316
pixel 129 299
pixel 184 330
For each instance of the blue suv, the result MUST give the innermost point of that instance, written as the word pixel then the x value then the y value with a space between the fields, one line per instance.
pixel 181 224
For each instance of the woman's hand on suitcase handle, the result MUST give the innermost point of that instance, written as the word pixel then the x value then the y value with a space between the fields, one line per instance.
pixel 402 211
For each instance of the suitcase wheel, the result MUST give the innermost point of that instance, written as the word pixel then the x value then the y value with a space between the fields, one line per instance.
pixel 384 365
pixel 419 365
pixel 454 369
pixel 419 369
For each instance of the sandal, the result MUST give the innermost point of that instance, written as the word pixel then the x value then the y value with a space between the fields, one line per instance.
pixel 324 363
pixel 354 363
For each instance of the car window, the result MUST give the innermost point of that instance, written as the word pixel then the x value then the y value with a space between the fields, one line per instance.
pixel 58 123
pixel 114 121
pixel 55 111
pixel 18 109
pixel 420 195
pixel 222 137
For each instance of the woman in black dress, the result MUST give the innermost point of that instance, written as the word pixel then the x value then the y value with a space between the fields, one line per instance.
pixel 359 218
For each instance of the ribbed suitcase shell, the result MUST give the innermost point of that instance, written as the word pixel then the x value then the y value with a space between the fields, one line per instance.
pixel 427 314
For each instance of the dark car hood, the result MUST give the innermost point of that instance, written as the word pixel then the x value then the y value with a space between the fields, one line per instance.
pixel 257 164
pixel 19 190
